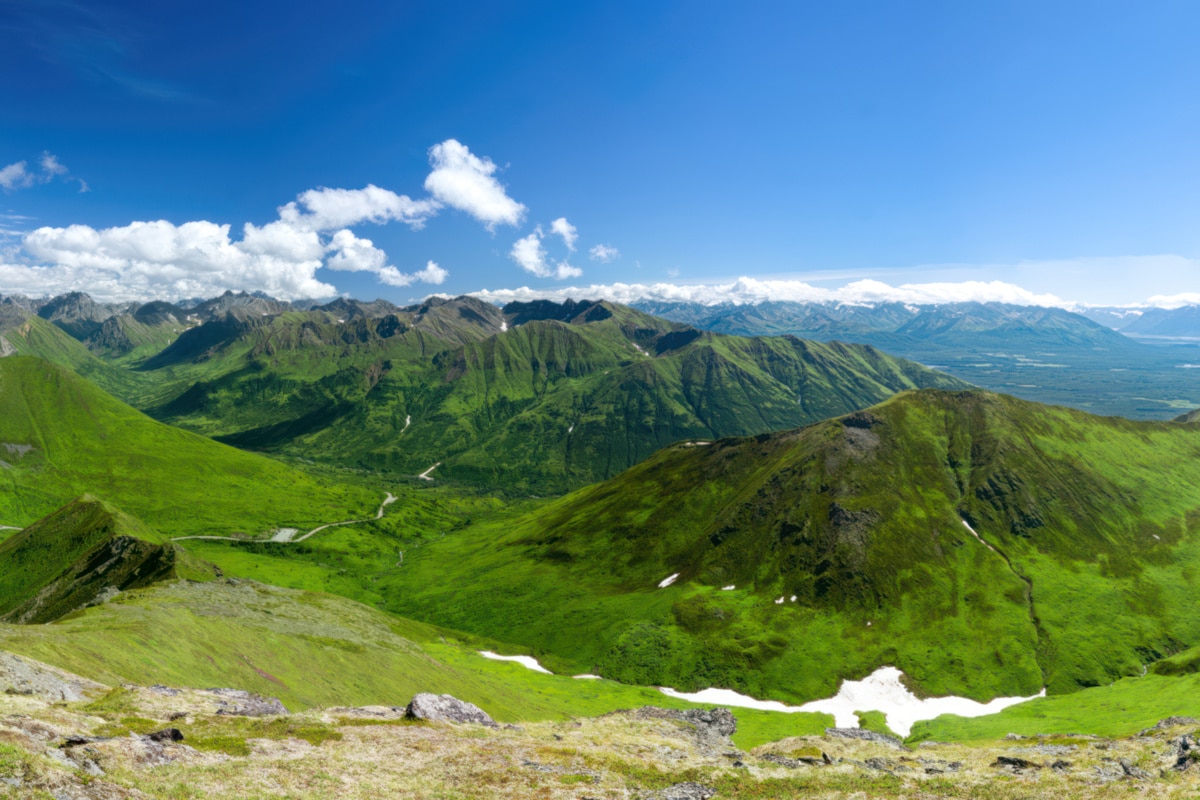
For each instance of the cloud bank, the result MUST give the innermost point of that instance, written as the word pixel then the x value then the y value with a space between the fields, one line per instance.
pixel 746 290
pixel 160 259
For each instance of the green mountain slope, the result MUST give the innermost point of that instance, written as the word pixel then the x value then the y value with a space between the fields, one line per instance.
pixel 563 395
pixel 1085 567
pixel 311 649
pixel 60 436
pixel 79 555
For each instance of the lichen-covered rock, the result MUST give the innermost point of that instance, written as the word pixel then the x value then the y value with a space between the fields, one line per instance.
pixel 863 734
pixel 240 703
pixel 684 791
pixel 446 708
pixel 24 676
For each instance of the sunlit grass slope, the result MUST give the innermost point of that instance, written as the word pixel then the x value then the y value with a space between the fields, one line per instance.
pixel 78 555
pixel 61 436
pixel 1087 570
pixel 311 649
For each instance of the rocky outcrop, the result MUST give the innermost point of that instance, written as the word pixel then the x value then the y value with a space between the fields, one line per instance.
pixel 23 676
pixel 446 708
pixel 237 702
pixel 864 735
pixel 689 790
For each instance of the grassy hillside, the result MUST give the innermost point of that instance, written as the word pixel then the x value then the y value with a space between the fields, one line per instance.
pixel 566 394
pixel 1088 556
pixel 60 436
pixel 311 649
pixel 79 555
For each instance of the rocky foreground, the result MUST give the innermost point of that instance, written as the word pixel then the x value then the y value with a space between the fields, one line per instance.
pixel 62 737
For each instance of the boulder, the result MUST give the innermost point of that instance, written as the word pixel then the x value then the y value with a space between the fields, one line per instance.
pixel 446 708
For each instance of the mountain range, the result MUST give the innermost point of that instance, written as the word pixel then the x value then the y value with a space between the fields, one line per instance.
pixel 1049 355
pixel 532 397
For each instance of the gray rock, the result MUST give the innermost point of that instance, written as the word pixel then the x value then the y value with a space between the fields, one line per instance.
pixel 24 676
pixel 1170 722
pixel 1015 763
pixel 864 735
pixel 446 708
pixel 240 703
pixel 684 791
pixel 1186 752
pixel 1131 771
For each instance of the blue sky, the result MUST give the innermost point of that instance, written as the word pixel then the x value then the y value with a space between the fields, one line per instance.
pixel 1046 144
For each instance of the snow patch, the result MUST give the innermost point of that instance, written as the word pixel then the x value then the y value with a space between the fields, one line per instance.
pixel 571 429
pixel 503 327
pixel 779 602
pixel 587 677
pixel 883 691
pixel 728 588
pixel 880 691
pixel 529 662
pixel 667 581
pixel 977 536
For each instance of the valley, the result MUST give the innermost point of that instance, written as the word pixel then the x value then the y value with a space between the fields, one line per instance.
pixel 559 511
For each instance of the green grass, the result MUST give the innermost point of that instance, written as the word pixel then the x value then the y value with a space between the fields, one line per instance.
pixel 875 721
pixel 313 650
pixel 1122 709
pixel 84 440
pixel 1094 553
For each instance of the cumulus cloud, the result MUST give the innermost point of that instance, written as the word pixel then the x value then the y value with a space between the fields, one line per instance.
pixel 747 290
pixel 327 209
pixel 529 254
pixel 604 254
pixel 566 230
pixel 464 181
pixel 161 259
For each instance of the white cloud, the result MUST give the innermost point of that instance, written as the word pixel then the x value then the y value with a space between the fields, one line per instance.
pixel 747 290
pixel 532 257
pixel 604 254
pixel 529 254
pixel 15 176
pixel 465 181
pixel 1172 301
pixel 566 230
pixel 432 273
pixel 326 209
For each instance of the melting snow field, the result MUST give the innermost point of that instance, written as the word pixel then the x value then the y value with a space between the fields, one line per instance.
pixel 879 691
pixel 529 662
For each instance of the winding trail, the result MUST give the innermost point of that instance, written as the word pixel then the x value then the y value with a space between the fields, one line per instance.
pixel 285 535
pixel 425 475
pixel 10 528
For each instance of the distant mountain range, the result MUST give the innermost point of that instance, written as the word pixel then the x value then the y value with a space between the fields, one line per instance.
pixel 1045 354
pixel 532 397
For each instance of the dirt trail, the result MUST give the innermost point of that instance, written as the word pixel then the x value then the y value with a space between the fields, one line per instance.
pixel 288 535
